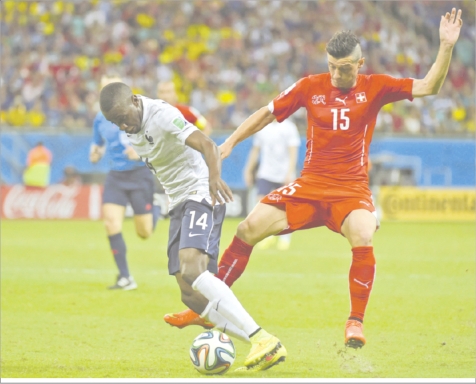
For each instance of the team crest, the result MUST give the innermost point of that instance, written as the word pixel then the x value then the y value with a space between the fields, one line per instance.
pixel 318 99
pixel 360 97
pixel 274 196
pixel 149 138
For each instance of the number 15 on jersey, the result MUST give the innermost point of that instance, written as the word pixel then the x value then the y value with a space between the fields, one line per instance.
pixel 340 120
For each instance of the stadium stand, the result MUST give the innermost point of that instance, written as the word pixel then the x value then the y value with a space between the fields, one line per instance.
pixel 225 57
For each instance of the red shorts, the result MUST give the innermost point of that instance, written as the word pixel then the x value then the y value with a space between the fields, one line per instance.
pixel 311 201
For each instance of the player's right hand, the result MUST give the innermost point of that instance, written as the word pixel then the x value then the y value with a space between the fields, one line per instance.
pixel 131 154
pixel 94 157
pixel 220 191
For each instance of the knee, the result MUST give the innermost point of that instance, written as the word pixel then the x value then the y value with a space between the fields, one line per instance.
pixel 189 274
pixel 244 229
pixel 144 233
pixel 248 231
pixel 362 237
pixel 112 225
pixel 192 264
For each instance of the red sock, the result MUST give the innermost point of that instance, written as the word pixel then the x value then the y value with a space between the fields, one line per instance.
pixel 234 260
pixel 361 278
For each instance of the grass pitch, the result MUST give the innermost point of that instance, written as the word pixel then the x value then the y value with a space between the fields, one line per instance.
pixel 59 321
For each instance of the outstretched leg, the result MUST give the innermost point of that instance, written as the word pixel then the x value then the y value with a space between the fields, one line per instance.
pixel 263 221
pixel 359 228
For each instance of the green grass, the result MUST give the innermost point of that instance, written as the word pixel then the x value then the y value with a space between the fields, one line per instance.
pixel 59 321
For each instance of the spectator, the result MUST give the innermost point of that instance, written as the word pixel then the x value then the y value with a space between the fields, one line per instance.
pixel 38 166
pixel 217 54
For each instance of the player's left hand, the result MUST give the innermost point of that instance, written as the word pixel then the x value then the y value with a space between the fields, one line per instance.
pixel 450 27
pixel 131 154
pixel 225 150
pixel 220 191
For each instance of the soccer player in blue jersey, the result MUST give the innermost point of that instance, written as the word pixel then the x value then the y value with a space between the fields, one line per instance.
pixel 128 181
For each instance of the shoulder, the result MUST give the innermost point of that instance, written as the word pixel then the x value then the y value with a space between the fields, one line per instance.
pixel 377 78
pixel 313 82
pixel 320 79
pixel 99 117
pixel 154 109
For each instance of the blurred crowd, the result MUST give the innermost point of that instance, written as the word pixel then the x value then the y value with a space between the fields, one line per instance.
pixel 226 58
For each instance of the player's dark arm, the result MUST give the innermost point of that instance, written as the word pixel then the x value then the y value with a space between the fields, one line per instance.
pixel 255 123
pixel 203 144
pixel 450 27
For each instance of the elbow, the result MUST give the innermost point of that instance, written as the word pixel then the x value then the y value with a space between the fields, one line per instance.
pixel 434 90
pixel 210 146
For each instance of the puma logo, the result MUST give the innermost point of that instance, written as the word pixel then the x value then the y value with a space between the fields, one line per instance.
pixel 229 270
pixel 366 285
pixel 342 101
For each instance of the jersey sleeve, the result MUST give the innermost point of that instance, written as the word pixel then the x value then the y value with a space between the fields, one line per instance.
pixel 97 138
pixel 393 89
pixel 173 122
pixel 290 100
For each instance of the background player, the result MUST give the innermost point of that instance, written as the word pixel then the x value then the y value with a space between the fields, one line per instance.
pixel 166 91
pixel 172 148
pixel 342 108
pixel 275 152
pixel 128 181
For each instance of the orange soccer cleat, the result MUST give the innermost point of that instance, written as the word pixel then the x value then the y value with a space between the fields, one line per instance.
pixel 185 318
pixel 354 336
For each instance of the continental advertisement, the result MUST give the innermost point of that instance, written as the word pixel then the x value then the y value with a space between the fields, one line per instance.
pixel 418 204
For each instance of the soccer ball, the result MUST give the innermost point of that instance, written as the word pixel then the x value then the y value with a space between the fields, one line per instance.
pixel 212 353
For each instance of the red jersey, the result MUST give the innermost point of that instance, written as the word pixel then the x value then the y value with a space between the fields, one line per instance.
pixel 192 115
pixel 340 123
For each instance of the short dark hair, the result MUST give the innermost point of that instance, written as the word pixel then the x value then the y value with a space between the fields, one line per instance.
pixel 342 44
pixel 112 95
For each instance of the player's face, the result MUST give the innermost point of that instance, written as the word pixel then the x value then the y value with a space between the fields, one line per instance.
pixel 166 92
pixel 344 71
pixel 128 117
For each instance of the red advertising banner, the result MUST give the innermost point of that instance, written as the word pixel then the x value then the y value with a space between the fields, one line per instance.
pixel 53 202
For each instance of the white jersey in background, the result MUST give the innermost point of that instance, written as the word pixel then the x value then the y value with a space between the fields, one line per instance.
pixel 181 170
pixel 274 141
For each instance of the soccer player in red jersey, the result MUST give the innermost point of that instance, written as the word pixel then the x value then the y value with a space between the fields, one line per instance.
pixel 166 91
pixel 342 108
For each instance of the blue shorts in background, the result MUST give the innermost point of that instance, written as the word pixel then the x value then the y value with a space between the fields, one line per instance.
pixel 135 187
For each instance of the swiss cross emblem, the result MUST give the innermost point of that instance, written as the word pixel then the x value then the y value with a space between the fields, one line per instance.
pixel 360 97
pixel 318 99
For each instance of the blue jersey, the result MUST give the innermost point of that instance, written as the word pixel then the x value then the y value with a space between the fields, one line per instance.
pixel 116 141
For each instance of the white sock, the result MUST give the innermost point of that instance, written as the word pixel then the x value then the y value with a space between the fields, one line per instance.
pixel 224 301
pixel 223 324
